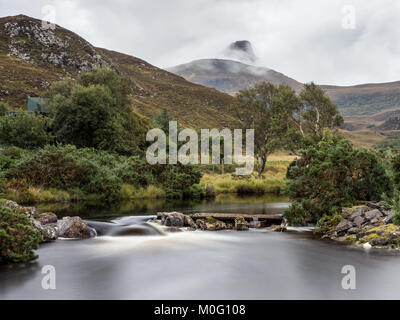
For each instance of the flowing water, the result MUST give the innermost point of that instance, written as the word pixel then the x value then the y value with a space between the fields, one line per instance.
pixel 132 260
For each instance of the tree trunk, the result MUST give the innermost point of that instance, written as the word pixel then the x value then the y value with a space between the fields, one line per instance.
pixel 261 167
pixel 223 167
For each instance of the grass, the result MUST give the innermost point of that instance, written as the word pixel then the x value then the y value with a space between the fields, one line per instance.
pixel 150 192
pixel 33 195
pixel 272 181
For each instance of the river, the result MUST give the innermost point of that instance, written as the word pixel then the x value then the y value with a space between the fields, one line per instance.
pixel 130 260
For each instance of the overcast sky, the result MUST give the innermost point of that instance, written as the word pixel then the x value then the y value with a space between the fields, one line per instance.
pixel 308 40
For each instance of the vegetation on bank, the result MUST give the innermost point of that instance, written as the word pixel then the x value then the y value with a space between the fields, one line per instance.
pixel 18 238
pixel 272 181
pixel 333 174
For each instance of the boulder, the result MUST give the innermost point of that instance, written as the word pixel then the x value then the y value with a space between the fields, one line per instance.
pixel 173 219
pixel 74 228
pixel 241 224
pixel 356 213
pixel 258 224
pixel 353 230
pixel 374 221
pixel 277 228
pixel 359 221
pixel 372 214
pixel 389 218
pixel 47 218
pixel 344 225
pixel 379 242
pixel 211 224
pixel 49 232
pixel 30 211
pixel 188 222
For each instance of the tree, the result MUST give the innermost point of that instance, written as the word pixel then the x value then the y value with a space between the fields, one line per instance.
pixel 162 120
pixel 332 175
pixel 25 130
pixel 269 110
pixel 97 112
pixel 18 238
pixel 318 112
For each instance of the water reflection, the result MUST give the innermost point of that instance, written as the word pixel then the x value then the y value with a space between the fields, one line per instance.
pixel 223 203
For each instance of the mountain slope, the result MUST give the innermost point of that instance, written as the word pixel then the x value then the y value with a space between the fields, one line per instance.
pixel 230 76
pixel 366 99
pixel 31 58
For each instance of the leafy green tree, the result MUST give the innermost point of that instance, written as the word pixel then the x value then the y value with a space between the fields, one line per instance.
pixel 318 113
pixel 18 238
pixel 269 110
pixel 162 120
pixel 332 175
pixel 25 131
pixel 97 112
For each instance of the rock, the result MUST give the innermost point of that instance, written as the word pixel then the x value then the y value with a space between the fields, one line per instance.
pixel 47 218
pixel 387 213
pixel 379 242
pixel 188 222
pixel 374 221
pixel 342 239
pixel 241 224
pixel 258 224
pixel 277 228
pixel 358 221
pixel 353 230
pixel 373 205
pixel 49 232
pixel 74 228
pixel 173 219
pixel 210 224
pixel 389 218
pixel 344 225
pixel 373 214
pixel 30 211
pixel 356 213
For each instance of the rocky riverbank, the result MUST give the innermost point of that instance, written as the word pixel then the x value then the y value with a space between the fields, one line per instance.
pixel 366 226
pixel 51 228
pixel 176 221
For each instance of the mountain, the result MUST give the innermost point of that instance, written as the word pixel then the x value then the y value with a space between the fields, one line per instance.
pixel 241 50
pixel 367 102
pixel 33 57
pixel 366 99
pixel 230 76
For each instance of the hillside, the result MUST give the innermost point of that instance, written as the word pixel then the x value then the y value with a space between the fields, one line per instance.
pixel 364 101
pixel 32 58
pixel 230 76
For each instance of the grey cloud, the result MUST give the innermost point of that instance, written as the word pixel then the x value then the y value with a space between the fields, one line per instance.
pixel 302 38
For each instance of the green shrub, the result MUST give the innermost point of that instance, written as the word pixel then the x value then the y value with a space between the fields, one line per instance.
pixel 96 112
pixel 18 238
pixel 110 176
pixel 65 167
pixel 25 130
pixel 332 175
pixel 197 191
